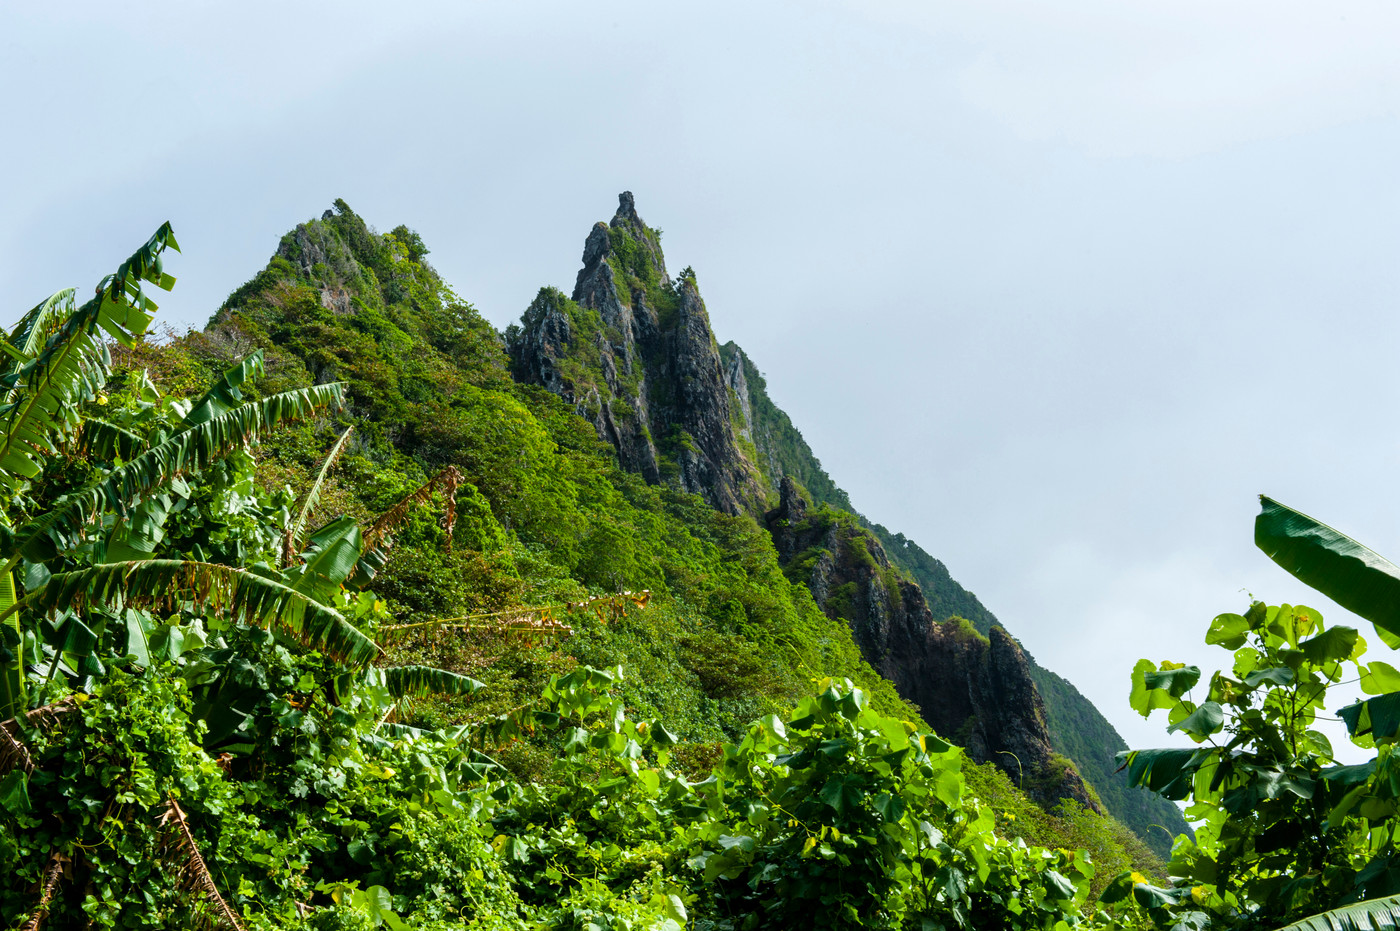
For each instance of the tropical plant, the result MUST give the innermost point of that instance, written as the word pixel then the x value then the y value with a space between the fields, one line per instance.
pixel 1282 828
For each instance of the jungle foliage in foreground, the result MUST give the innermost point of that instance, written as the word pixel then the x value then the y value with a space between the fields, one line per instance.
pixel 263 672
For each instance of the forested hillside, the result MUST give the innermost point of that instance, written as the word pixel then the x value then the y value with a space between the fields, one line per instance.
pixel 347 611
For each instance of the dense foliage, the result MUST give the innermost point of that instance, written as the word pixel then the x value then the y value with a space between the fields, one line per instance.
pixel 1283 829
pixel 306 622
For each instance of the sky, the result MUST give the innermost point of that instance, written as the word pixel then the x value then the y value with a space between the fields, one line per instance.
pixel 1054 290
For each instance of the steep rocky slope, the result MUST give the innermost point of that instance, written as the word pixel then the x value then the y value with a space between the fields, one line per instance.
pixel 633 352
pixel 977 690
pixel 1077 730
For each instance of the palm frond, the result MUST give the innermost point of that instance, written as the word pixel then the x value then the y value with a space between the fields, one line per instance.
pixel 187 451
pixel 448 479
pixel 225 395
pixel 98 439
pixel 293 539
pixel 1373 915
pixel 43 395
pixel 422 681
pixel 52 874
pixel 236 592
pixel 191 871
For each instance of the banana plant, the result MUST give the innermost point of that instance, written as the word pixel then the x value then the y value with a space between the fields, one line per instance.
pixel 1371 915
pixel 96 545
pixel 1357 578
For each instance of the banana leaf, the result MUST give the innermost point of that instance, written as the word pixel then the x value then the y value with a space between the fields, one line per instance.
pixel 332 555
pixel 225 395
pixel 239 594
pixel 1352 575
pixel 189 451
pixel 292 540
pixel 1374 915
pixel 422 681
pixel 43 394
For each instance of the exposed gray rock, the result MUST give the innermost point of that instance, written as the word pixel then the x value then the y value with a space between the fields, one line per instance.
pixel 649 380
pixel 977 692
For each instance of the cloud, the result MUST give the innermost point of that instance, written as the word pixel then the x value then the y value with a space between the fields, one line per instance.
pixel 1115 78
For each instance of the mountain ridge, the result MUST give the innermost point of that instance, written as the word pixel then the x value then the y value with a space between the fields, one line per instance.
pixel 1057 725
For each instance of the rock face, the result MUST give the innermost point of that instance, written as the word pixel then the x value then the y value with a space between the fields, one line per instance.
pixel 632 350
pixel 977 691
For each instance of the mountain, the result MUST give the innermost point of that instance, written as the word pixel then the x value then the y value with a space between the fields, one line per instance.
pixel 631 350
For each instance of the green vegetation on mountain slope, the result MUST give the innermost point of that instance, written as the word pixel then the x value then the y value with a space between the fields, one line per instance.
pixel 1077 729
pixel 218 716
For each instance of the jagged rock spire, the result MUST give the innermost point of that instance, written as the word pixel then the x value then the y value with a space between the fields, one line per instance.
pixel 652 382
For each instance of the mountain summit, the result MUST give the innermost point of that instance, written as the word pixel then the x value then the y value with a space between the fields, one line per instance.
pixel 633 352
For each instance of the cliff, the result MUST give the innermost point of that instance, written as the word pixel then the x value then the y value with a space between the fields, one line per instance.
pixel 976 690
pixel 1077 730
pixel 633 352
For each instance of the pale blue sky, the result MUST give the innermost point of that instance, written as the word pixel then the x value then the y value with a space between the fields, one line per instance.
pixel 1055 290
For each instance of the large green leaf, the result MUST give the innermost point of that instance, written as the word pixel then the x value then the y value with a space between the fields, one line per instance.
pixel 44 394
pixel 35 327
pixel 141 532
pixel 292 539
pixel 235 592
pixel 225 395
pixel 13 694
pixel 1352 575
pixel 186 452
pixel 422 681
pixel 1374 915
pixel 331 556
pixel 1201 723
pixel 1378 717
pixel 99 439
pixel 1167 771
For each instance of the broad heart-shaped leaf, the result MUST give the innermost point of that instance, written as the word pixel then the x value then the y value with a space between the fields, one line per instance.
pixel 422 681
pixel 1379 716
pixel 842 792
pixel 1201 723
pixel 1352 575
pixel 225 395
pixel 185 452
pixel 1175 682
pixel 1334 643
pixel 1144 698
pixel 1378 677
pixel 1228 630
pixel 1167 771
pixel 240 594
pixel 1373 915
pixel 1273 675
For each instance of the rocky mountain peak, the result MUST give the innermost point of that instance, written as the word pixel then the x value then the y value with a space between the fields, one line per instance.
pixel 643 366
pixel 626 209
